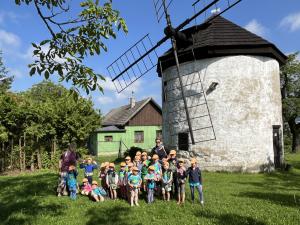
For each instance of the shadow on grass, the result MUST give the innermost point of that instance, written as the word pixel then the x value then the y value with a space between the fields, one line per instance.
pixel 229 219
pixel 115 215
pixel 288 200
pixel 21 197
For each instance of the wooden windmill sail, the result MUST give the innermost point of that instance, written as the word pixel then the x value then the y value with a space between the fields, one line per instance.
pixel 142 57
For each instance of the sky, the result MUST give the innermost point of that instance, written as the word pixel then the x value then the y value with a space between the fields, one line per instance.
pixel 278 21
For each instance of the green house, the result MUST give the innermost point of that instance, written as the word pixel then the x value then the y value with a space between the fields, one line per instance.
pixel 136 124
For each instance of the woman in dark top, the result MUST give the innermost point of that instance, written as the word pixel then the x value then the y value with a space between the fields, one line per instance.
pixel 159 150
pixel 195 180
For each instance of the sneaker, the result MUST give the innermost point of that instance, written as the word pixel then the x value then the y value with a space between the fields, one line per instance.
pixel 59 195
pixel 131 205
pixel 137 204
pixel 202 202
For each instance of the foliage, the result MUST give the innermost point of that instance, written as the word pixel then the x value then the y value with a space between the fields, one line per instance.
pixel 42 120
pixel 6 82
pixel 233 199
pixel 73 39
pixel 290 89
pixel 132 151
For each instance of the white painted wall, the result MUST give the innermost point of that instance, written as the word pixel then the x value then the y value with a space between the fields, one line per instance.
pixel 244 106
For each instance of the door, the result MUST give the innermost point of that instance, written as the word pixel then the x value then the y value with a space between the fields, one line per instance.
pixel 277 145
pixel 183 141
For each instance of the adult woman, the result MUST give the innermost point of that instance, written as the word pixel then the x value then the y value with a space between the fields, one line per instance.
pixel 159 149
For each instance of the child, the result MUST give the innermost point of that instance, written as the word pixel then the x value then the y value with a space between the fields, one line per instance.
pixel 173 164
pixel 102 175
pixel 167 178
pixel 195 180
pixel 150 180
pixel 88 165
pixel 127 175
pixel 138 153
pixel 112 181
pixel 181 177
pixel 156 164
pixel 127 161
pixel 134 182
pixel 137 162
pixel 86 188
pixel 144 170
pixel 96 192
pixel 72 182
pixel 121 181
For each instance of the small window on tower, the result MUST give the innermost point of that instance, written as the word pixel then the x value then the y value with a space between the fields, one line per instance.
pixel 108 138
pixel 139 137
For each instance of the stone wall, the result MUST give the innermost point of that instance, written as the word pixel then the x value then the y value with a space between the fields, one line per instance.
pixel 243 107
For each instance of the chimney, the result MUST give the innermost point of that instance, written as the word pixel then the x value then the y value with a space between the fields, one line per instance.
pixel 132 101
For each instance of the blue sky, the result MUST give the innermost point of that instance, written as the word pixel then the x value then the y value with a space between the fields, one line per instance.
pixel 276 20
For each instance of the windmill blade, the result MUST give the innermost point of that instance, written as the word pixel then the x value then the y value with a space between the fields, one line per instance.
pixel 159 8
pixel 210 5
pixel 134 63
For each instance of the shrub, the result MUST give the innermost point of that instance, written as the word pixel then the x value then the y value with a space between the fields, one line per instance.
pixel 132 151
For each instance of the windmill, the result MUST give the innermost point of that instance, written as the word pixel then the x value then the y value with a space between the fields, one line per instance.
pixel 142 56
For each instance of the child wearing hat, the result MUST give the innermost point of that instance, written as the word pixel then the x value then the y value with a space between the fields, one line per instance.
pixel 112 181
pixel 173 165
pixel 167 178
pixel 195 180
pixel 127 161
pixel 156 164
pixel 127 175
pixel 102 175
pixel 89 166
pixel 144 170
pixel 97 192
pixel 86 188
pixel 181 178
pixel 72 181
pixel 150 180
pixel 121 181
pixel 137 162
pixel 134 182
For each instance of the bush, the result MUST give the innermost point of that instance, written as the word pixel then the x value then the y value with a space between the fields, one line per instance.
pixel 132 151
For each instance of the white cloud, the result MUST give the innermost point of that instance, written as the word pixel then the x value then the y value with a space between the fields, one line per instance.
pixel 105 100
pixel 292 21
pixel 9 40
pixel 4 16
pixel 255 27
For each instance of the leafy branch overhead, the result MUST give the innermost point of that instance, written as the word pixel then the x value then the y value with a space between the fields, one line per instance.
pixel 72 40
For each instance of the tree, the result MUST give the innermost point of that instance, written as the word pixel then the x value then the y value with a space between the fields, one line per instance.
pixel 72 40
pixel 5 80
pixel 290 90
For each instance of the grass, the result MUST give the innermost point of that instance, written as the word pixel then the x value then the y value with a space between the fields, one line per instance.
pixel 230 198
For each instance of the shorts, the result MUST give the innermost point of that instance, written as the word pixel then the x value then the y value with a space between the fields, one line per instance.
pixel 194 184
pixel 166 187
pixel 181 188
pixel 113 186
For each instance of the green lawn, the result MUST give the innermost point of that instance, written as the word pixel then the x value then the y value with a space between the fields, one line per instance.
pixel 229 199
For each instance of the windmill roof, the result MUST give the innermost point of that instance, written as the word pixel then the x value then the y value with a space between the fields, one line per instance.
pixel 121 115
pixel 220 37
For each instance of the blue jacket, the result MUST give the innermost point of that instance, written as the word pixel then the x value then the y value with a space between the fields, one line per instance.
pixel 194 175
pixel 88 168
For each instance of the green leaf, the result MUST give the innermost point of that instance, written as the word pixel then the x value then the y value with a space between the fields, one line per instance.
pixel 32 71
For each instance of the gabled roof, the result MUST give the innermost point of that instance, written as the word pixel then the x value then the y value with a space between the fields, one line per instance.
pixel 120 116
pixel 110 129
pixel 220 37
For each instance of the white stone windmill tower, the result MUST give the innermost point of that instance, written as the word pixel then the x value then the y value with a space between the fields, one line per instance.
pixel 238 74
pixel 221 90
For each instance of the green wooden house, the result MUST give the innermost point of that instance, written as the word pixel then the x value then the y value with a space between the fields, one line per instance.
pixel 136 124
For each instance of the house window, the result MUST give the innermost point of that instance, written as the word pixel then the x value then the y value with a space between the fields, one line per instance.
pixel 108 138
pixel 138 136
pixel 159 134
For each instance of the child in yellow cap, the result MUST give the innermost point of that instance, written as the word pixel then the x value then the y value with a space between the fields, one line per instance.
pixel 86 187
pixel 181 177
pixel 167 178
pixel 134 182
pixel 144 170
pixel 89 166
pixel 72 181
pixel 195 180
pixel 112 181
pixel 127 175
pixel 102 175
pixel 173 165
pixel 150 182
pixel 121 181
pixel 96 192
pixel 127 161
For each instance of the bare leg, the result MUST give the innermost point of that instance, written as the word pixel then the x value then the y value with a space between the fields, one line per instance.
pixel 136 197
pixel 101 198
pixel 164 194
pixel 96 198
pixel 168 196
pixel 131 197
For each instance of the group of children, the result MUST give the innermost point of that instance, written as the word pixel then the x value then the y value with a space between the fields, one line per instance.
pixel 150 175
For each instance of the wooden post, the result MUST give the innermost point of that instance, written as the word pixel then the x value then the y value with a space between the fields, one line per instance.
pixel 20 153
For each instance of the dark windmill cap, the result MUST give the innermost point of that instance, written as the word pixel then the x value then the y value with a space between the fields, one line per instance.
pixel 219 37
